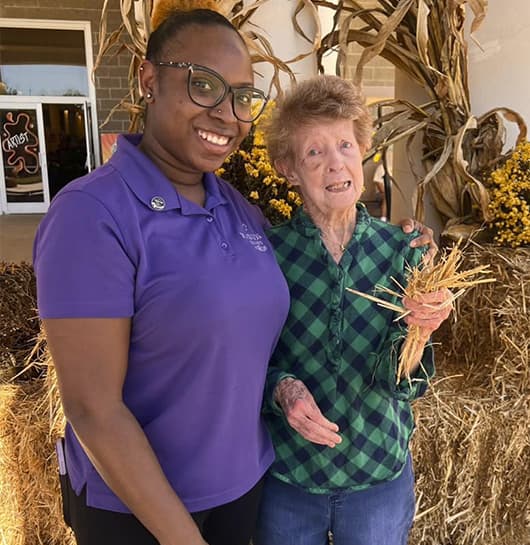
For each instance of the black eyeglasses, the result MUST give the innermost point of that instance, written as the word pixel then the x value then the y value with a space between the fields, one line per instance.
pixel 208 89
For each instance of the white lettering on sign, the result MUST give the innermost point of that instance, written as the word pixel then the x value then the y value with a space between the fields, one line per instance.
pixel 17 140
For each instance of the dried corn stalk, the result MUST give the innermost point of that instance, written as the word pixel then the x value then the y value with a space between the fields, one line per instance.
pixel 425 40
pixel 429 278
pixel 138 19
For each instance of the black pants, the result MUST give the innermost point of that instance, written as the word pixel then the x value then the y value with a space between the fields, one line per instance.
pixel 229 524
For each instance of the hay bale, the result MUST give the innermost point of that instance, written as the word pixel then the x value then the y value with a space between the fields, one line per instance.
pixel 30 421
pixel 488 341
pixel 472 446
pixel 19 325
pixel 471 449
pixel 472 456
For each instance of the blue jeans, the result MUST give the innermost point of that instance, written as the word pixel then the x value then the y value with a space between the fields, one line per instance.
pixel 379 515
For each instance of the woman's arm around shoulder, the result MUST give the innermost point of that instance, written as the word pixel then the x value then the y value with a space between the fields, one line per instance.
pixel 425 238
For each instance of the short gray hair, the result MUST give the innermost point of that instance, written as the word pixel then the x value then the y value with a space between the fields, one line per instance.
pixel 320 98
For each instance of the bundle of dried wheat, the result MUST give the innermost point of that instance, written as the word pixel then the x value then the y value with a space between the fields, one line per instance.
pixel 434 276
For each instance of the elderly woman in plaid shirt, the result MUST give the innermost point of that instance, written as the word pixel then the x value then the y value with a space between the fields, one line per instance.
pixel 340 424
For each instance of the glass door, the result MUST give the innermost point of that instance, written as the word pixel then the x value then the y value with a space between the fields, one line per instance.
pixel 68 143
pixel 23 170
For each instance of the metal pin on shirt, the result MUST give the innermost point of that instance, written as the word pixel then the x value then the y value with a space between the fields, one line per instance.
pixel 158 203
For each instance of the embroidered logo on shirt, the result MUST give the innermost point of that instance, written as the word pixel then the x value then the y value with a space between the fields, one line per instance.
pixel 253 238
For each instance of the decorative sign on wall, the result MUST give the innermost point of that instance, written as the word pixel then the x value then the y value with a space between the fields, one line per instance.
pixel 20 144
pixel 108 145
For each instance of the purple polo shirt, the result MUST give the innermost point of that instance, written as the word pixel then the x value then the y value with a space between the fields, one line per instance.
pixel 207 302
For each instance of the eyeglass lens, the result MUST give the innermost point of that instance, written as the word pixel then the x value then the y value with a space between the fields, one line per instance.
pixel 208 90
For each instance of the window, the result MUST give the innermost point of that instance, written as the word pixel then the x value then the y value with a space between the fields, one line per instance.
pixel 42 62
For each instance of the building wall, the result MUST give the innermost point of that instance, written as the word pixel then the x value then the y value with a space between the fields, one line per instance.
pixel 286 43
pixel 378 74
pixel 498 69
pixel 111 77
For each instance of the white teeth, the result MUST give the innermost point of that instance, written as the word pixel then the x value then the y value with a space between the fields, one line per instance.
pixel 339 186
pixel 214 138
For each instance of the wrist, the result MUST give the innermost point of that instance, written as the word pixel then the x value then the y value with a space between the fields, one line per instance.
pixel 280 386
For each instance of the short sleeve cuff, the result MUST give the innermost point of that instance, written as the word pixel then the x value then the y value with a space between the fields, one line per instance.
pixel 81 262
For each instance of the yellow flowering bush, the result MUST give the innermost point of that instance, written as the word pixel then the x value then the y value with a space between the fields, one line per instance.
pixel 509 188
pixel 250 171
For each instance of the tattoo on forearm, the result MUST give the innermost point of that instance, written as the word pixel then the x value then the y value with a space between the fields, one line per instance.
pixel 288 391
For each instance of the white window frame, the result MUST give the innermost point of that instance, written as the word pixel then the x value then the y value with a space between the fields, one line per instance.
pixel 53 24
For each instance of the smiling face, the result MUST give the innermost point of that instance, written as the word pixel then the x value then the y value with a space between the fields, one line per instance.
pixel 184 139
pixel 326 165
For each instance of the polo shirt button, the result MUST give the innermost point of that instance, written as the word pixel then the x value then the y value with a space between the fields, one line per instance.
pixel 224 245
pixel 209 219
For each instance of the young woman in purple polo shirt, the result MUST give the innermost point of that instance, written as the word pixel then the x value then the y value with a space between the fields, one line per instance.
pixel 162 303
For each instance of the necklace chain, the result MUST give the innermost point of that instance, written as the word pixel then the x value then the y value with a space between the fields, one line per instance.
pixel 341 245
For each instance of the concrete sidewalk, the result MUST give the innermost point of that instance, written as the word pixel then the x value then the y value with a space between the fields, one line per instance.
pixel 16 236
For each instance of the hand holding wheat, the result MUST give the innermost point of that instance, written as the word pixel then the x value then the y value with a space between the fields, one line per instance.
pixel 428 310
pixel 427 301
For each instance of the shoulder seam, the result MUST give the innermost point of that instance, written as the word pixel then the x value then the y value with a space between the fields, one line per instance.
pixel 99 201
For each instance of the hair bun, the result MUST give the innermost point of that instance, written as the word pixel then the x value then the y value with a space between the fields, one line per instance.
pixel 163 8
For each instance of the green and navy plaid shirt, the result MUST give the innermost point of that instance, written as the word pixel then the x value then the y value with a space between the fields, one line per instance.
pixel 345 349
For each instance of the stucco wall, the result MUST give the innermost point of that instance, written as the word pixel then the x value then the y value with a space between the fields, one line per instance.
pixel 500 75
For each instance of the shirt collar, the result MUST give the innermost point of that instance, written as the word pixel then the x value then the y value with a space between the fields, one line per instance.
pixel 151 186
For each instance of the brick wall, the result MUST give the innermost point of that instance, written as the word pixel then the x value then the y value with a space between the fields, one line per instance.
pixel 111 77
pixel 378 74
